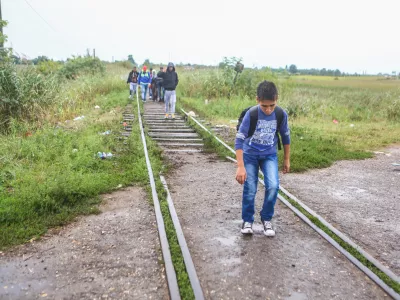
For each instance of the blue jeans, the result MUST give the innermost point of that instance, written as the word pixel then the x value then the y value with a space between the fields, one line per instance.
pixel 144 87
pixel 160 90
pixel 269 167
pixel 132 88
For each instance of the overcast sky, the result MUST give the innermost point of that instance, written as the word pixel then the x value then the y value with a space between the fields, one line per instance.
pixel 351 35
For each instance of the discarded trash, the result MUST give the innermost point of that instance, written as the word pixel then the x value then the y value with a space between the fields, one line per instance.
pixel 74 150
pixel 119 186
pixel 396 164
pixel 106 132
pixel 221 126
pixel 97 107
pixel 351 125
pixel 191 114
pixel 206 101
pixel 104 155
pixel 233 121
pixel 125 124
pixel 79 118
pixel 335 121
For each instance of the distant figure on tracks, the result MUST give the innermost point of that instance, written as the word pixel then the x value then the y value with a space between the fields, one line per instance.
pixel 256 148
pixel 144 82
pixel 159 83
pixel 154 86
pixel 133 82
pixel 170 81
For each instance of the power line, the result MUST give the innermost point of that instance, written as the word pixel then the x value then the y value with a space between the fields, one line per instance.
pixel 40 16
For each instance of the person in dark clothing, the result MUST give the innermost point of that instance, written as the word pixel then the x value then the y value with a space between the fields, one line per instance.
pixel 170 81
pixel 133 82
pixel 154 86
pixel 159 83
pixel 151 80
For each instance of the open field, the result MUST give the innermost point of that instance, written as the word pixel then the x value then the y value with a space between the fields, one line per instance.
pixel 368 118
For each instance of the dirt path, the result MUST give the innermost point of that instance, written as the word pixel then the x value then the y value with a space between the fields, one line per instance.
pixel 113 255
pixel 296 264
pixel 361 198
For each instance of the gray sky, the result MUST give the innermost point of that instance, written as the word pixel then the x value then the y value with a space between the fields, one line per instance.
pixel 351 35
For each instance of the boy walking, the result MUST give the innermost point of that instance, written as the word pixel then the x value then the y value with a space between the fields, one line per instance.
pixel 256 148
pixel 170 81
pixel 133 82
pixel 144 82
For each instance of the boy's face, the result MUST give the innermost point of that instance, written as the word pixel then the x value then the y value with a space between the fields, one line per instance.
pixel 267 106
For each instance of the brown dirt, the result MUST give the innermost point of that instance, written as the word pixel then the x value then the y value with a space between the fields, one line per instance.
pixel 296 264
pixel 360 198
pixel 111 255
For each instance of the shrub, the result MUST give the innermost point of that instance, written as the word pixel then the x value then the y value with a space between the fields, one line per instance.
pixel 25 94
pixel 78 66
pixel 49 67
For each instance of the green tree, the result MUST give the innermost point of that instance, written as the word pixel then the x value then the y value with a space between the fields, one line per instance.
pixel 40 59
pixel 148 63
pixel 293 69
pixel 130 58
pixel 4 53
pixel 337 73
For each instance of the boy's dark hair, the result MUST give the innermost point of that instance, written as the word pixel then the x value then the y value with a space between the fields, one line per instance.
pixel 267 90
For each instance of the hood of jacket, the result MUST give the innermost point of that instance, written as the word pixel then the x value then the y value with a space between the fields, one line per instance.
pixel 171 65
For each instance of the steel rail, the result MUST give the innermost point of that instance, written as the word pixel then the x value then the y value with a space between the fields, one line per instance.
pixel 349 256
pixel 190 268
pixel 169 267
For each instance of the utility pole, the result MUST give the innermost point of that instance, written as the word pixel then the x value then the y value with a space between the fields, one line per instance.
pixel 94 53
pixel 1 29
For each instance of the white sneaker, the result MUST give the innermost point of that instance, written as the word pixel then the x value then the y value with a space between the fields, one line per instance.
pixel 247 228
pixel 268 230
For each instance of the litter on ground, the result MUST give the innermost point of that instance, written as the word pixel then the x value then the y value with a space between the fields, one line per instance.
pixel 79 118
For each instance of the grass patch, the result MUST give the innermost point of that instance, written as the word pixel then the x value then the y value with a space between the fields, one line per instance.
pixel 312 148
pixel 49 178
pixel 390 282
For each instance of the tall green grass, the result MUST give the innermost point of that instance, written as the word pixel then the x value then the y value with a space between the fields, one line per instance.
pixel 348 103
pixel 29 98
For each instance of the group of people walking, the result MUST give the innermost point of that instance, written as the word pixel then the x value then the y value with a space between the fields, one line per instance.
pixel 256 142
pixel 161 86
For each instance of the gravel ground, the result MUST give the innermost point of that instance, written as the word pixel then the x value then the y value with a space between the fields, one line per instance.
pixel 360 198
pixel 113 255
pixel 296 264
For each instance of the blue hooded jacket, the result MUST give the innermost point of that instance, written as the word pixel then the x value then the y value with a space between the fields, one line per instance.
pixel 144 77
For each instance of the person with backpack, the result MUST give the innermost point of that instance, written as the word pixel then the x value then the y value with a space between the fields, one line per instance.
pixel 170 81
pixel 159 83
pixel 256 146
pixel 154 86
pixel 151 81
pixel 144 82
pixel 133 82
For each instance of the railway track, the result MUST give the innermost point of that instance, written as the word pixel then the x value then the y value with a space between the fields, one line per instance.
pixel 176 136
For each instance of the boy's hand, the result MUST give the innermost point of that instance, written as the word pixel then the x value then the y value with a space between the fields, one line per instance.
pixel 286 166
pixel 241 175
